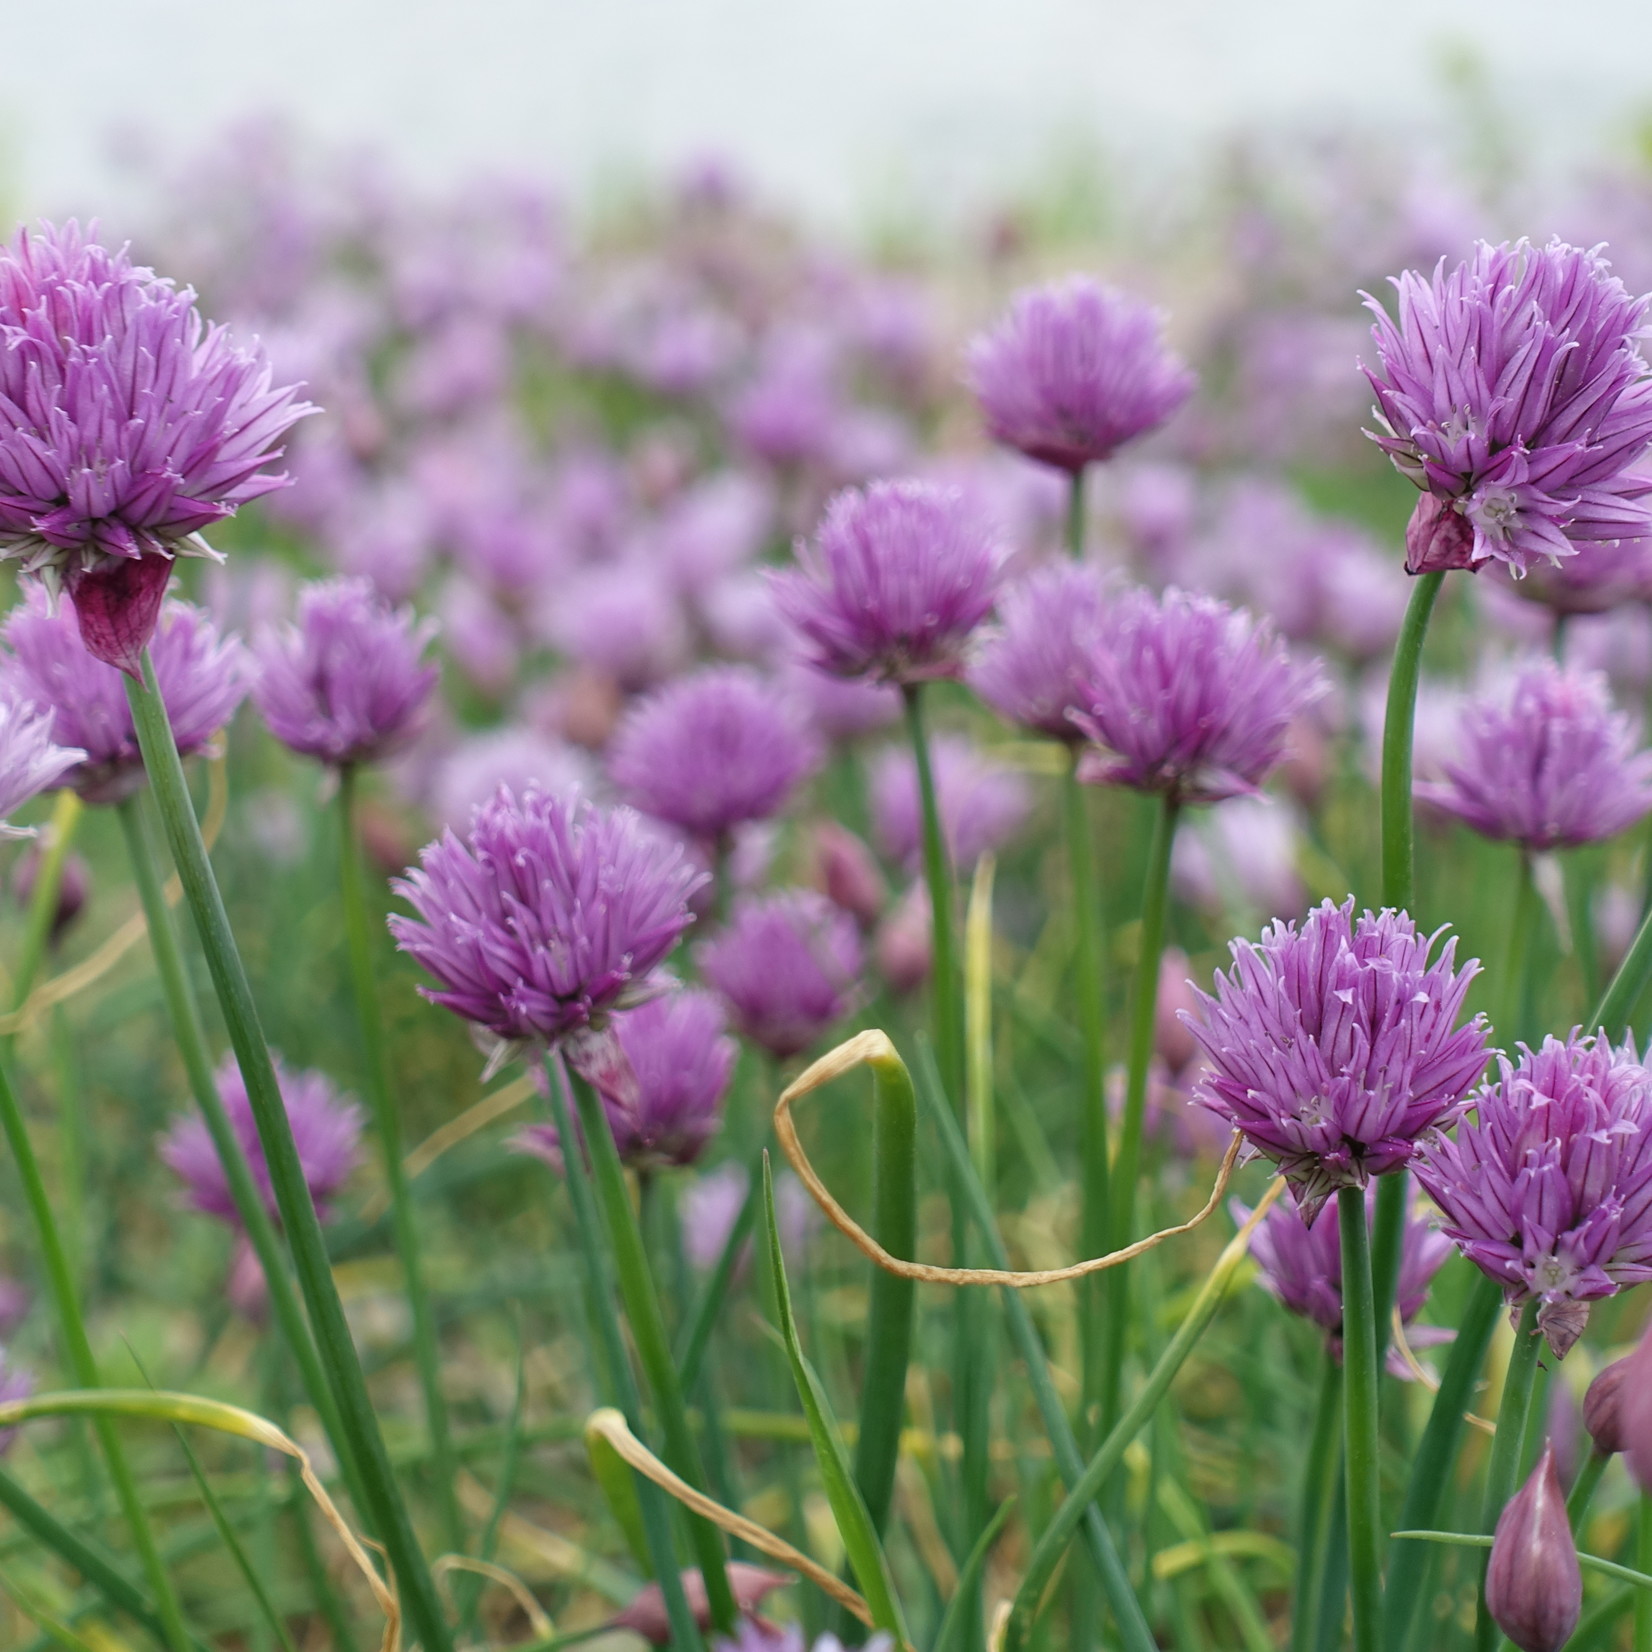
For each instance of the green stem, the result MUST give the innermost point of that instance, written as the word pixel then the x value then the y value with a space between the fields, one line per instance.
pixel 1503 1470
pixel 889 1319
pixel 1643 1561
pixel 1583 1489
pixel 1633 976
pixel 1436 1456
pixel 1359 1358
pixel 385 1512
pixel 1517 1012
pixel 1134 1633
pixel 43 898
pixel 1096 1221
pixel 1398 837
pixel 78 1356
pixel 1387 1252
pixel 685 1635
pixel 190 1038
pixel 642 1310
pixel 695 1336
pixel 387 1122
pixel 1127 1171
pixel 948 982
pixel 1075 515
pixel 1320 1471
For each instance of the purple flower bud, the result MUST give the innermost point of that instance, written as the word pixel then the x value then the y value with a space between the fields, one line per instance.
pixel 202 679
pixel 905 942
pixel 1188 696
pixel 894 583
pixel 1511 390
pixel 1546 762
pixel 712 751
pixel 1634 1418
pixel 547 917
pixel 1534 1585
pixel 1074 372
pixel 981 803
pixel 1602 1407
pixel 646 1614
pixel 1032 671
pixel 1549 1190
pixel 787 964
pixel 1335 1047
pixel 346 683
pixel 681 1062
pixel 126 428
pixel 326 1129
pixel 847 874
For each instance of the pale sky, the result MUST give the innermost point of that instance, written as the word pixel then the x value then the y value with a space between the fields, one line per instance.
pixel 831 103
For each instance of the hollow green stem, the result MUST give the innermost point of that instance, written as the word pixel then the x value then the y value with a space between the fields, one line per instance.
pixel 1096 1219
pixel 78 1356
pixel 1504 1467
pixel 1628 984
pixel 1436 1457
pixel 1320 1471
pixel 1399 869
pixel 1127 1170
pixel 1583 1488
pixel 1359 1358
pixel 948 981
pixel 650 1501
pixel 384 1512
pixel 1075 515
pixel 190 1037
pixel 387 1123
pixel 889 1319
pixel 1516 1022
pixel 642 1310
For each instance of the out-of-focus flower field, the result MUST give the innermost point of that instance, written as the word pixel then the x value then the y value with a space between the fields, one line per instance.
pixel 563 450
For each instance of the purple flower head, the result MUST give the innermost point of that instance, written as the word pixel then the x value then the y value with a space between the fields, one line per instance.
pixel 202 678
pixel 1188 696
pixel 345 683
pixel 326 1127
pixel 681 1059
pixel 981 803
pixel 896 579
pixel 1335 1047
pixel 1031 671
pixel 839 708
pixel 127 427
pixel 1534 1584
pixel 547 917
pixel 711 751
pixel 1511 390
pixel 1546 763
pixel 1549 1191
pixel 1601 576
pixel 29 762
pixel 1240 856
pixel 1301 1263
pixel 787 964
pixel 1074 371
pixel 515 755
pixel 710 1206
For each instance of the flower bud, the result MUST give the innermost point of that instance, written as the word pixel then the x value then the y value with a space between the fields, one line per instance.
pixel 847 874
pixel 646 1615
pixel 1600 1409
pixel 1634 1412
pixel 904 942
pixel 1174 1045
pixel 1534 1586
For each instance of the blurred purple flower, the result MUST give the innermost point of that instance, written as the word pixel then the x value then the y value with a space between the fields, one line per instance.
pixel 126 427
pixel 1334 1046
pixel 896 579
pixel 1031 670
pixel 1545 762
pixel 15 1384
pixel 682 1062
pixel 346 682
pixel 709 1206
pixel 325 1126
pixel 546 918
pixel 788 965
pixel 1300 1263
pixel 513 755
pixel 1600 576
pixel 711 751
pixel 202 679
pixel 1511 390
pixel 621 618
pixel 982 804
pixel 847 874
pixel 1241 856
pixel 840 708
pixel 1188 696
pixel 1074 371
pixel 1549 1191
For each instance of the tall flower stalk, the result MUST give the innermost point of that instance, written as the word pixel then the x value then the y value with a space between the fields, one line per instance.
pixel 387 1125
pixel 1360 1446
pixel 1503 1470
pixel 385 1510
